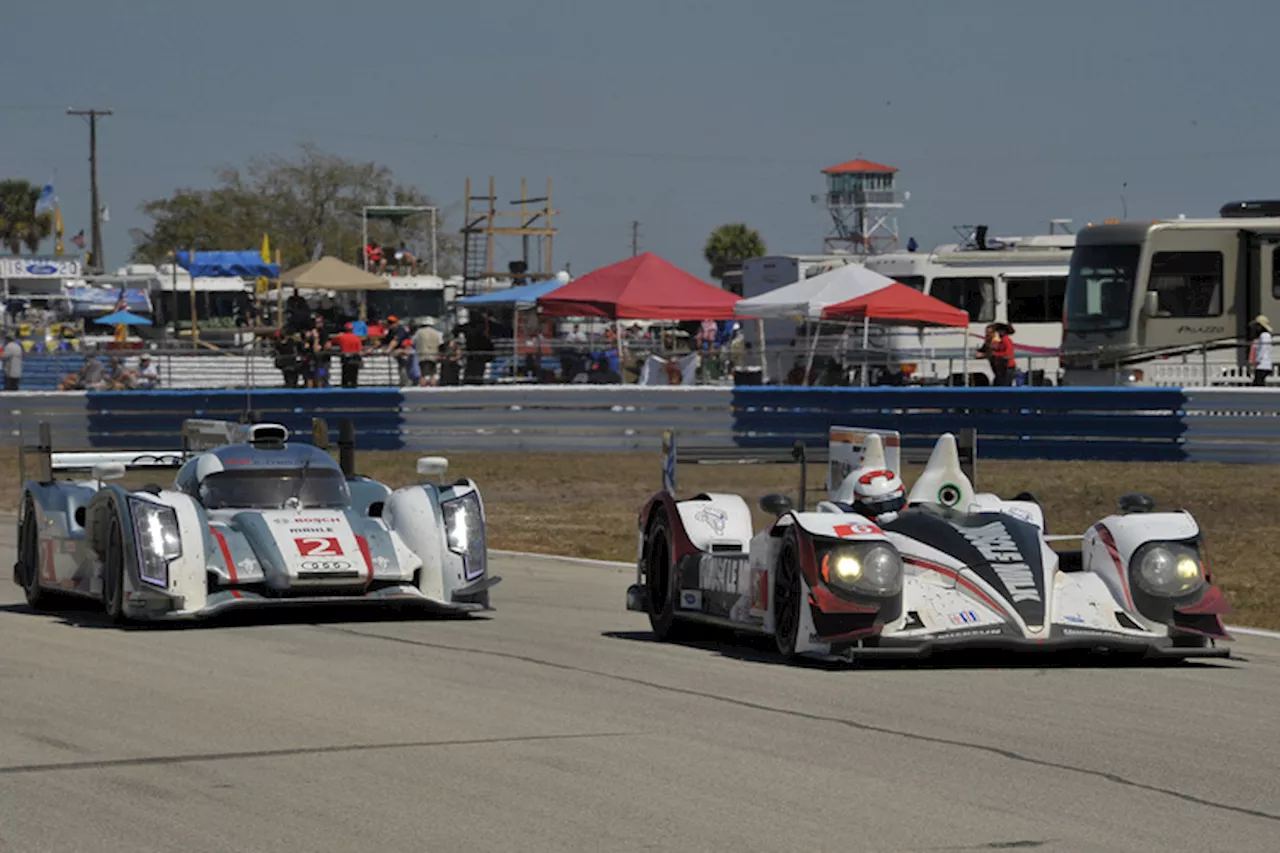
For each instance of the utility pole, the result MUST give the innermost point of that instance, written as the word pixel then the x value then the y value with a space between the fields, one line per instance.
pixel 635 238
pixel 96 212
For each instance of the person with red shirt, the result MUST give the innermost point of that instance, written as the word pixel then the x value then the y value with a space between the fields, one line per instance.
pixel 998 349
pixel 350 345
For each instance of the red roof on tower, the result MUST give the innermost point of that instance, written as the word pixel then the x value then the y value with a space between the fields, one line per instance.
pixel 858 165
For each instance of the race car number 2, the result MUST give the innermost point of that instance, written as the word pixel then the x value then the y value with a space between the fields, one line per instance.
pixel 318 546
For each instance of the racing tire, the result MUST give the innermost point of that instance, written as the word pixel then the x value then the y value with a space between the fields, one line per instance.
pixel 27 570
pixel 113 570
pixel 786 595
pixel 661 581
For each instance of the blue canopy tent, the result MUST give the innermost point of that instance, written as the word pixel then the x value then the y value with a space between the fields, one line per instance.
pixel 226 264
pixel 526 294
pixel 246 264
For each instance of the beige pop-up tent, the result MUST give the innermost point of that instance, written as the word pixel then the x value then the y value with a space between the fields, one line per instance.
pixel 329 273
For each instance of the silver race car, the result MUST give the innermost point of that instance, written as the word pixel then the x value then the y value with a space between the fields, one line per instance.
pixel 251 520
pixel 875 571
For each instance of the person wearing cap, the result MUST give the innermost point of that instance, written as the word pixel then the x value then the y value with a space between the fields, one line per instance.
pixel 426 343
pixel 1260 349
pixel 349 344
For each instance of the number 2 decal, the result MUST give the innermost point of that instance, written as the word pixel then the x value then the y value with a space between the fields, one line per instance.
pixel 318 546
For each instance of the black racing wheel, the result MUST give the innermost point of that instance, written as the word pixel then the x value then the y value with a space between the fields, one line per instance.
pixel 27 570
pixel 113 569
pixel 661 579
pixel 786 595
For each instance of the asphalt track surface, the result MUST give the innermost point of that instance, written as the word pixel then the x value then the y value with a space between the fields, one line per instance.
pixel 557 724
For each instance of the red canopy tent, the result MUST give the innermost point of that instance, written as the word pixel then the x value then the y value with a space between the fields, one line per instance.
pixel 898 305
pixel 641 288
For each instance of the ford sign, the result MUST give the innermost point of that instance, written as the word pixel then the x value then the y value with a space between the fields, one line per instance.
pixel 41 269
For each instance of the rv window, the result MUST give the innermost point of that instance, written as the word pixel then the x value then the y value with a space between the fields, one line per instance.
pixel 975 295
pixel 915 282
pixel 1036 300
pixel 1189 284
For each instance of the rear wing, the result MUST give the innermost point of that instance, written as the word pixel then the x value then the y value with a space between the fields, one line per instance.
pixel 41 463
pixel 843 449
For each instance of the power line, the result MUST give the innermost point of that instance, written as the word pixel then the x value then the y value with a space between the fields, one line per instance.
pixel 635 237
pixel 96 212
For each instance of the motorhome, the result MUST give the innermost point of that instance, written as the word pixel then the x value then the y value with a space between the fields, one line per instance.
pixel 1020 281
pixel 1169 302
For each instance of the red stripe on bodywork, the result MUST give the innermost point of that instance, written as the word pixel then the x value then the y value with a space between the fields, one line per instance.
pixel 1213 601
pixel 226 553
pixel 364 552
pixel 826 601
pixel 960 579
pixel 1110 543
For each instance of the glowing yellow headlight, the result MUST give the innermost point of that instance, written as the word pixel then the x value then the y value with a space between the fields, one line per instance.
pixel 847 568
pixel 1187 568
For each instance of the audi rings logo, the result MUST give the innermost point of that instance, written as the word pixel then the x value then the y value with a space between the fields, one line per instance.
pixel 325 565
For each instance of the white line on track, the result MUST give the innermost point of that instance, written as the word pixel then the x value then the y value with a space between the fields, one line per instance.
pixel 615 564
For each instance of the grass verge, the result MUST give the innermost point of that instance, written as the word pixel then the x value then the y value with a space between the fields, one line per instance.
pixel 585 505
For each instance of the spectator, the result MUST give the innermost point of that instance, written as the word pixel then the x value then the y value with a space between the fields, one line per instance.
pixel 147 377
pixel 479 351
pixel 451 360
pixel 393 335
pixel 409 361
pixel 297 313
pixel 316 355
pixel 997 347
pixel 89 378
pixel 1259 350
pixel 404 258
pixel 350 346
pixel 577 336
pixel 288 358
pixel 12 363
pixel 375 258
pixel 426 342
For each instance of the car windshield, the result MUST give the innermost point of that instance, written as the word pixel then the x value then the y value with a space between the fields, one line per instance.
pixel 1100 288
pixel 271 488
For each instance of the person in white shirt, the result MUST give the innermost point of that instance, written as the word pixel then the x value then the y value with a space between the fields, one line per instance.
pixel 12 363
pixel 1260 349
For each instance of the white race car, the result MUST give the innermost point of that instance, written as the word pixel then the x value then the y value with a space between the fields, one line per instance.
pixel 252 520
pixel 943 567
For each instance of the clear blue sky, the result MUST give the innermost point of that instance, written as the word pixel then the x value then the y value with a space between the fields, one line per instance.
pixel 683 115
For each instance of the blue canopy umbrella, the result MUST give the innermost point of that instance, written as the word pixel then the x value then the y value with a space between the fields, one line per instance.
pixel 123 318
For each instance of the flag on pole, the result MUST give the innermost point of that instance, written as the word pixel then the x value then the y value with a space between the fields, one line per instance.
pixel 106 214
pixel 78 240
pixel 57 230
pixel 266 259
pixel 47 200
pixel 122 301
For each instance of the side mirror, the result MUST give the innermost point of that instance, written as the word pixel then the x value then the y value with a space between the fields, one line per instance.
pixel 108 470
pixel 1151 304
pixel 1137 503
pixel 432 466
pixel 776 504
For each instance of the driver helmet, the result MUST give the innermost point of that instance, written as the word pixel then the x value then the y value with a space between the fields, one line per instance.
pixel 878 491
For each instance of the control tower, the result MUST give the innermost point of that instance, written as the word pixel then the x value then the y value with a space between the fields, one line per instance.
pixel 863 201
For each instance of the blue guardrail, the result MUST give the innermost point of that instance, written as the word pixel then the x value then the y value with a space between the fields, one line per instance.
pixel 1139 424
pixel 130 420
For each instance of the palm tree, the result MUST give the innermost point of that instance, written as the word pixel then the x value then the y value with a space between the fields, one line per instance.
pixel 731 243
pixel 20 225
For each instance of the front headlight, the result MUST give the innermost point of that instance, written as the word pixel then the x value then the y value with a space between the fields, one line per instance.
pixel 464 532
pixel 1167 569
pixel 155 530
pixel 874 569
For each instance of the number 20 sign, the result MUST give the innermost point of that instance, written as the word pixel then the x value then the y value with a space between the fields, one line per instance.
pixel 318 546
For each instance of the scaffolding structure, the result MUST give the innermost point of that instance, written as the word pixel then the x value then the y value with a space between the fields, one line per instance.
pixel 483 223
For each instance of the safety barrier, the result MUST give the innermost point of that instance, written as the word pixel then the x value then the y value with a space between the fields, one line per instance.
pixel 1139 424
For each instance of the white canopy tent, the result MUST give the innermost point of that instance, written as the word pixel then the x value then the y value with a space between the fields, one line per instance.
pixel 804 301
